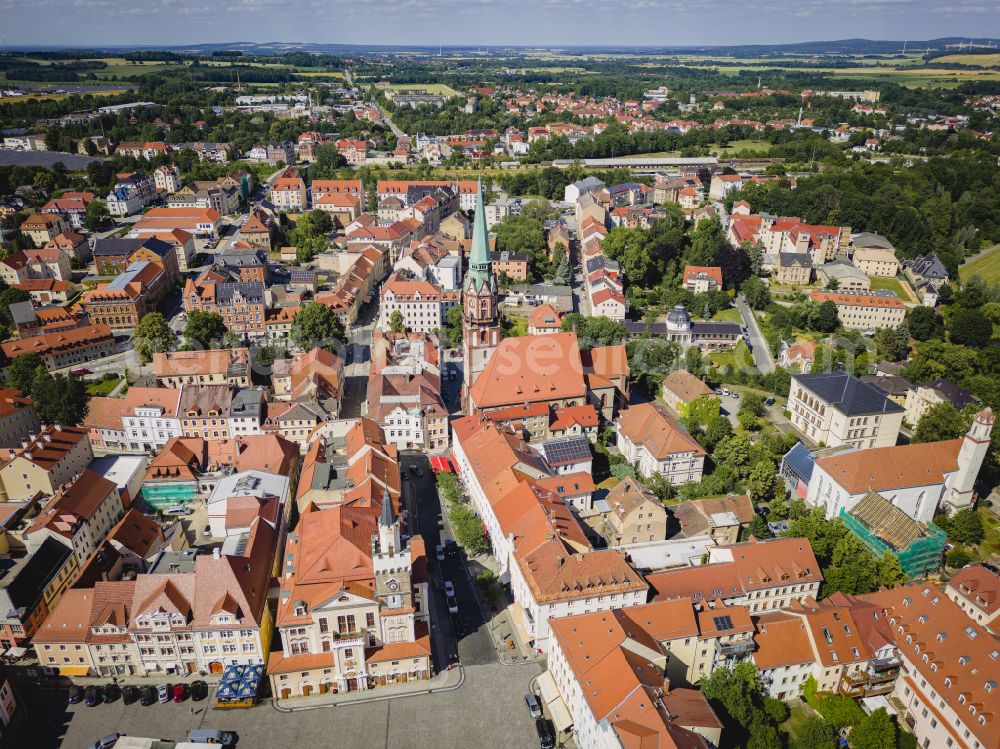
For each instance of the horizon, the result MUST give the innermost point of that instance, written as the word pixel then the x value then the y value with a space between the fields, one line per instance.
pixel 636 24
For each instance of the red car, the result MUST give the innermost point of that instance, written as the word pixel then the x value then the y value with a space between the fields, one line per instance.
pixel 80 372
pixel 180 692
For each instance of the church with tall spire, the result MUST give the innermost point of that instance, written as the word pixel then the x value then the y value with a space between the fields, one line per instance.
pixel 480 327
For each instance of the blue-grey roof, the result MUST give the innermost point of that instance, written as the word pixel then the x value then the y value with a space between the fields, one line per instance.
pixel 848 394
pixel 124 279
pixel 800 461
pixel 928 266
pixel 958 396
pixel 716 328
pixel 252 291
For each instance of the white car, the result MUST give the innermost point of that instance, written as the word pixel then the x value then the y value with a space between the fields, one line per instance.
pixel 449 589
pixel 439 552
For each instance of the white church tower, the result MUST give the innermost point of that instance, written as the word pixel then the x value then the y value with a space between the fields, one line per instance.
pixel 975 445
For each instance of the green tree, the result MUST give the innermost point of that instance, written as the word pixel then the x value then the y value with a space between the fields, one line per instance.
pixel 965 527
pixel 59 399
pixel 631 248
pixel 563 275
pixel 453 323
pixel 763 484
pixel 922 323
pixel 693 361
pixel 396 324
pixel 815 733
pixel 328 162
pixel 707 239
pixel 152 335
pixel 96 217
pixel 957 557
pixel 939 422
pixel 892 344
pixel 468 529
pixel 317 325
pixel 875 731
pixel 739 698
pixel 969 327
pixel 757 527
pixel 207 328
pixel 21 373
pixel 825 318
pixel 717 429
pixel 756 293
pixel 307 248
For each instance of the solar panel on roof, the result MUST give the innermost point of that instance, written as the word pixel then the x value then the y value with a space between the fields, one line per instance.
pixel 722 623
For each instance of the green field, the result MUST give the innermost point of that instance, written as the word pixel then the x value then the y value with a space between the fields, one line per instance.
pixel 761 147
pixel 101 387
pixel 986 267
pixel 730 314
pixel 442 89
pixel 880 283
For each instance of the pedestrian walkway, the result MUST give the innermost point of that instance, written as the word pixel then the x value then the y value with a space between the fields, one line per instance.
pixel 508 641
pixel 443 681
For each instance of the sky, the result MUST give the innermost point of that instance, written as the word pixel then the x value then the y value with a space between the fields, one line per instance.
pixel 488 22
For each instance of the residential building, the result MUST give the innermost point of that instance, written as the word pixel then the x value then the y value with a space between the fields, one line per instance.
pixel 72 206
pixel 947 697
pixel 422 304
pixel 655 443
pixel 17 417
pixel 167 179
pixel 121 303
pixel 799 355
pixel 607 680
pixel 976 590
pixel 241 304
pixel 149 418
pixel 288 192
pixel 876 261
pixel 199 222
pixel 32 585
pixel 404 397
pixel 700 279
pixel 925 395
pixel 635 514
pixel 867 312
pixel 130 194
pixel 45 461
pixel 544 319
pixel 836 408
pixel 681 389
pixel 845 277
pixel 44 227
pixel 205 411
pixel 719 518
pixel 762 575
pixel 210 367
pixel 80 515
pixel 65 348
pixel 539 545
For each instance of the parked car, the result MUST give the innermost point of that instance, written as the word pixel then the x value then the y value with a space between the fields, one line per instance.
pixel 107 742
pixel 164 693
pixel 439 552
pixel 180 692
pixel 92 696
pixel 212 736
pixel 725 391
pixel 80 372
pixel 75 695
pixel 450 548
pixel 199 690
pixel 546 736
pixel 147 696
pixel 130 694
pixel 735 395
pixel 449 589
pixel 769 401
pixel 452 604
pixel 112 692
pixel 718 391
pixel 534 708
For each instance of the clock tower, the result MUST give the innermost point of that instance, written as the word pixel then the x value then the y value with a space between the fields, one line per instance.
pixel 480 332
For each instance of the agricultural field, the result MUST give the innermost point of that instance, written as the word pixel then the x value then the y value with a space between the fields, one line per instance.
pixel 986 60
pixel 986 266
pixel 441 89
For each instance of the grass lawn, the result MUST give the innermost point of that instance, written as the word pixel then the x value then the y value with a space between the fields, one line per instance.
pixel 742 145
pixel 881 283
pixel 800 712
pixel 730 314
pixel 986 267
pixel 991 540
pixel 102 387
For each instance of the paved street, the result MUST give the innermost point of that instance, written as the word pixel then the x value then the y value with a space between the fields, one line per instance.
pixel 761 353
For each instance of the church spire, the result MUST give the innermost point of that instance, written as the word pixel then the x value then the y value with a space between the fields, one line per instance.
pixel 480 264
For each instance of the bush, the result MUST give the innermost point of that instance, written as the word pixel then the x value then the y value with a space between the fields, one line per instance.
pixel 449 487
pixel 489 586
pixel 958 557
pixel 468 529
pixel 837 711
